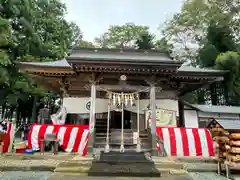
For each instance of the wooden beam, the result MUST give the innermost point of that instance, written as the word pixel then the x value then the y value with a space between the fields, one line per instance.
pixel 63 87
pixel 122 88
pixel 51 86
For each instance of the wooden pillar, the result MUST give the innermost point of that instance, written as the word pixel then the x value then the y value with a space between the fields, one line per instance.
pixel 92 119
pixel 181 114
pixel 138 125
pixel 153 119
pixel 107 148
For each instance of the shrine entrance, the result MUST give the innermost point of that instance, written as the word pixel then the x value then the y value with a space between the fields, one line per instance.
pixel 126 76
pixel 116 117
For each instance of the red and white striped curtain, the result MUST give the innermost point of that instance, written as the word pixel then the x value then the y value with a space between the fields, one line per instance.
pixel 72 138
pixel 7 138
pixel 186 141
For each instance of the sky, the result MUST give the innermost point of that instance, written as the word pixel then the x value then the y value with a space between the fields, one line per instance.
pixel 95 16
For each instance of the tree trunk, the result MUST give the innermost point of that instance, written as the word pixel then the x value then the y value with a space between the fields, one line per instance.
pixel 213 94
pixel 200 96
pixel 226 97
pixel 34 110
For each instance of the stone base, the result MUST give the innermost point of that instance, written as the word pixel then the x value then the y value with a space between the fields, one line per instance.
pixel 127 164
pixel 123 157
pixel 154 152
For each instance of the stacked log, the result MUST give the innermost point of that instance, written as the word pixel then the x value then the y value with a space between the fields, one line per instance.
pixel 228 144
pixel 234 151
pixel 221 137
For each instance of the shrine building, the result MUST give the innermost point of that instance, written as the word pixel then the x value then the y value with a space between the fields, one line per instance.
pixel 122 94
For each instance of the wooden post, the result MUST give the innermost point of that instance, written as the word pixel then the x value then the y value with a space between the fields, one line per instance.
pixel 181 114
pixel 92 118
pixel 153 119
pixel 122 127
pixel 107 148
pixel 138 119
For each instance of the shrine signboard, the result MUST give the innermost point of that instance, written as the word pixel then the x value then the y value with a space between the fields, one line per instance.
pixel 164 117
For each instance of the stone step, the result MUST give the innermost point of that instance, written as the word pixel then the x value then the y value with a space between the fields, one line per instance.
pixel 123 157
pixel 101 134
pixel 111 169
pixel 168 165
pixel 80 169
pixel 168 175
pixel 75 163
pixel 86 164
pixel 125 173
pixel 129 169
pixel 130 149
pixel 67 175
pixel 126 147
pixel 128 164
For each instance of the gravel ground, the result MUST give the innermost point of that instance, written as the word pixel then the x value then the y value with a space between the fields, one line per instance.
pixel 16 175
pixel 207 176
pixel 44 176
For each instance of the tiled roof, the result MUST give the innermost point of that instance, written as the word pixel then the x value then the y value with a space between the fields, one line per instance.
pixel 229 124
pixel 118 56
pixel 186 68
pixel 59 63
pixel 64 63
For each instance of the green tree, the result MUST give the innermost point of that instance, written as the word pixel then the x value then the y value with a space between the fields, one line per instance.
pixel 145 41
pixel 164 45
pixel 86 44
pixel 123 36
pixel 187 30
pixel 200 32
pixel 230 61
pixel 219 39
pixel 30 30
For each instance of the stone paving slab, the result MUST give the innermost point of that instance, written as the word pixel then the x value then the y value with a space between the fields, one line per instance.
pixel 17 175
pixel 36 162
pixel 63 176
pixel 195 159
pixel 82 158
pixel 38 156
pixel 28 165
pixel 200 167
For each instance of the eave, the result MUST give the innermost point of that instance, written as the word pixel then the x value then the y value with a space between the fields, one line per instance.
pixel 46 68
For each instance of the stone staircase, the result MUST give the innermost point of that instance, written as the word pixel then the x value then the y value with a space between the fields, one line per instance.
pixel 128 164
pixel 100 134
pixel 115 139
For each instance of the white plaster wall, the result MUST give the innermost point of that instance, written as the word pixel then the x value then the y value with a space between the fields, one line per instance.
pixel 191 118
pixel 78 105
